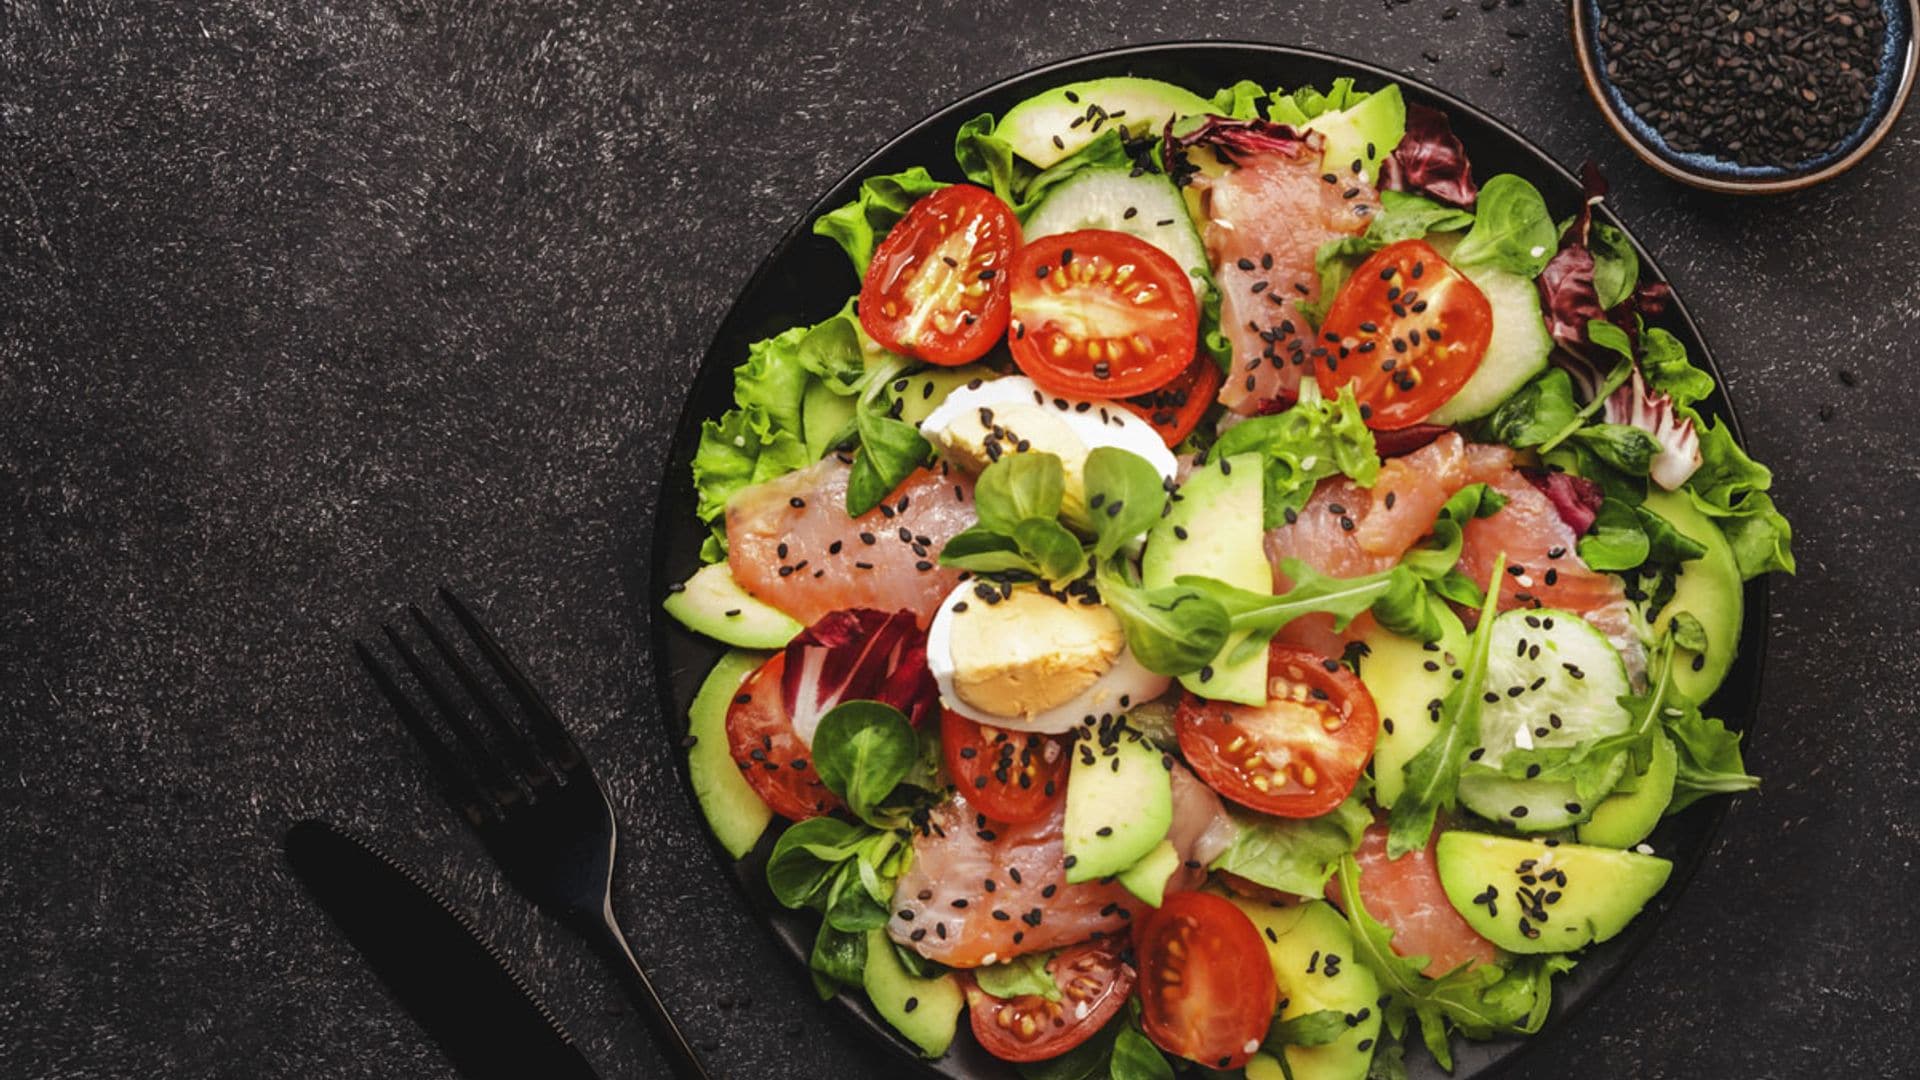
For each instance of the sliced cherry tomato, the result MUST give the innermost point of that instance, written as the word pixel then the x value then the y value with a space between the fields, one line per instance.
pixel 1094 982
pixel 936 289
pixel 1206 985
pixel 776 763
pixel 1298 755
pixel 1010 776
pixel 1406 331
pixel 1175 409
pixel 1101 314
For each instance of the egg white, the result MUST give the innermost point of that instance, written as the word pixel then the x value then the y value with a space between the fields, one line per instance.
pixel 1101 423
pixel 1125 684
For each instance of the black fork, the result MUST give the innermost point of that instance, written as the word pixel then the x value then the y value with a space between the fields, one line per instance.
pixel 517 776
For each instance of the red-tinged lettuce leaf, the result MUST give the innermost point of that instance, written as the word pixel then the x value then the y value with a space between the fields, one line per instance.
pixel 1637 406
pixel 1233 141
pixel 1570 296
pixel 1431 161
pixel 1575 498
pixel 859 654
pixel 1403 441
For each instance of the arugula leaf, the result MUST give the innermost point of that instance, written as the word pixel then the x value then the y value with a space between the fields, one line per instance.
pixel 1136 1058
pixel 1294 855
pixel 859 226
pixel 1019 977
pixel 1389 1061
pixel 1307 1029
pixel 1512 228
pixel 1314 439
pixel 1537 412
pixel 1426 576
pixel 1125 497
pixel 1262 615
pixel 1172 630
pixel 1433 775
pixel 1709 759
pixel 1435 556
pixel 862 750
pixel 838 960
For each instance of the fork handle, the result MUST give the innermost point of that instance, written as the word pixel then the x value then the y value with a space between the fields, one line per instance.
pixel 604 934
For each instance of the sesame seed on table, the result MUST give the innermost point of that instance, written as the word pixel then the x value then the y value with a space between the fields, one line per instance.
pixel 303 312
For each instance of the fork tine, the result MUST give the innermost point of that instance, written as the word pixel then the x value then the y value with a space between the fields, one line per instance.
pixel 459 785
pixel 553 736
pixel 494 774
pixel 519 743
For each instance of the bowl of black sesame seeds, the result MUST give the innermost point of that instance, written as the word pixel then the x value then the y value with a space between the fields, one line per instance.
pixel 1748 96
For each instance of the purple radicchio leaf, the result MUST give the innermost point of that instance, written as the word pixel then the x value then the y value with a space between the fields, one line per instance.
pixel 1430 160
pixel 1635 405
pixel 1575 498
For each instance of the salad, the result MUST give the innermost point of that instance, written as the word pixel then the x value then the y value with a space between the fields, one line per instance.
pixel 1232 592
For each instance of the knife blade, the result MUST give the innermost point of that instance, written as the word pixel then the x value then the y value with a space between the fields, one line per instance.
pixel 450 978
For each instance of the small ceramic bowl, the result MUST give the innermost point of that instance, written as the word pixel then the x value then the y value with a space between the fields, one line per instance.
pixel 1897 64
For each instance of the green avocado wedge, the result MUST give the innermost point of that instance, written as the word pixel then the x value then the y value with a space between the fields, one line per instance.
pixel 926 1011
pixel 1050 126
pixel 1710 589
pixel 1543 896
pixel 734 812
pixel 712 603
pixel 1299 938
pixel 1625 818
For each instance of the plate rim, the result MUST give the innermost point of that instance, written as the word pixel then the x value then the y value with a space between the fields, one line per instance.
pixel 747 872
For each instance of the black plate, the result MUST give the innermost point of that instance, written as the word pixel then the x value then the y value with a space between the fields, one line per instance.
pixel 807 278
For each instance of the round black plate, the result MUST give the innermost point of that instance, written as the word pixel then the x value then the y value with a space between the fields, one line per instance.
pixel 807 278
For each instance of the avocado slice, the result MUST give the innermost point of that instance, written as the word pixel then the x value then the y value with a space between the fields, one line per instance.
pixel 1405 689
pixel 1214 530
pixel 712 603
pixel 926 1011
pixel 1625 818
pixel 733 810
pixel 1542 896
pixel 923 391
pixel 1312 951
pixel 1119 802
pixel 1042 129
pixel 1147 879
pixel 1366 132
pixel 1710 589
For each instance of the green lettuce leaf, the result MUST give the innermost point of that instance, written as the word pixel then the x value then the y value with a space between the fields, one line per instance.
pixel 1294 855
pixel 1314 439
pixel 1019 977
pixel 1241 101
pixel 883 200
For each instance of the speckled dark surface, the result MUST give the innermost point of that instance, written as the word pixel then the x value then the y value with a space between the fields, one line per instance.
pixel 304 311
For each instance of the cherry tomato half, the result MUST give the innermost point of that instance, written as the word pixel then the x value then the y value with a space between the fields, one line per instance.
pixel 1298 755
pixel 776 764
pixel 1010 776
pixel 1406 331
pixel 1206 985
pixel 1101 314
pixel 1093 983
pixel 1175 409
pixel 936 289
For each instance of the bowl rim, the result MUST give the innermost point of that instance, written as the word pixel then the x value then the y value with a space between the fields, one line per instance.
pixel 793 930
pixel 1590 77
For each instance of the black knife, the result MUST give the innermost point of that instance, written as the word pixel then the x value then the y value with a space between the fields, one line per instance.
pixel 453 982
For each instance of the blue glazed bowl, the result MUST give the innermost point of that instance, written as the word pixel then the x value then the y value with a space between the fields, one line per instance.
pixel 1898 60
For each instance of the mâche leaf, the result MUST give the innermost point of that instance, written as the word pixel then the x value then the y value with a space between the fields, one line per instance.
pixel 1512 228
pixel 1125 496
pixel 862 750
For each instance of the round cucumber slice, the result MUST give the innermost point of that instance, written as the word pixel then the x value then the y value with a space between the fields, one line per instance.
pixel 1147 206
pixel 1518 349
pixel 1555 681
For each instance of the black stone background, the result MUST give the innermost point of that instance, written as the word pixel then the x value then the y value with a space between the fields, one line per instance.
pixel 305 308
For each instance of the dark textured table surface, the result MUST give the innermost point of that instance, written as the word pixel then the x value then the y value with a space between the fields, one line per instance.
pixel 306 308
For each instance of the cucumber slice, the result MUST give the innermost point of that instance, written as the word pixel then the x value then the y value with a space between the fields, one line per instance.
pixel 1147 206
pixel 1556 681
pixel 1518 349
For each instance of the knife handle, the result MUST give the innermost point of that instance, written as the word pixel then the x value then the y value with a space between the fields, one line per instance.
pixel 604 934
